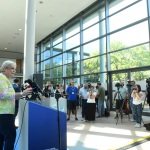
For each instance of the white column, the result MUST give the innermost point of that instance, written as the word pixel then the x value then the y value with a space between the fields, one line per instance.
pixel 29 39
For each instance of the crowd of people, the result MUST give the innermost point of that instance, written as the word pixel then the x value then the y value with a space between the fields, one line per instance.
pixel 92 99
pixel 88 97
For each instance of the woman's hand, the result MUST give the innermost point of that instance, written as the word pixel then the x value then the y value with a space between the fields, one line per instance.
pixel 27 91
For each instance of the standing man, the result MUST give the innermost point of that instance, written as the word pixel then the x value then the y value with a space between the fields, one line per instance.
pixel 72 92
pixel 16 87
pixel 101 98
pixel 83 95
pixel 120 96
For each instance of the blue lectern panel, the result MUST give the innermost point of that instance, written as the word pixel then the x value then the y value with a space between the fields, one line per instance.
pixel 43 128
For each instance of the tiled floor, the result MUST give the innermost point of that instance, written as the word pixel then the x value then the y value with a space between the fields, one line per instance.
pixel 104 134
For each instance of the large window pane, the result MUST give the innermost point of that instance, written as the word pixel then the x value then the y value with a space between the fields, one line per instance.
pixel 91 33
pixel 91 49
pixel 46 45
pixel 57 81
pixel 72 30
pixel 119 4
pixel 94 78
pixel 57 61
pixel 73 55
pixel 73 69
pixel 57 72
pixel 38 58
pixel 88 21
pixel 57 49
pixel 131 36
pixel 46 54
pixel 73 41
pixel 131 58
pixel 47 64
pixel 47 73
pixel 57 39
pixel 91 65
pixel 122 18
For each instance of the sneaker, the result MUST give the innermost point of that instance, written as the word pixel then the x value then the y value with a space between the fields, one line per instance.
pixel 138 125
pixel 76 119
pixel 84 120
pixel 97 116
pixel 116 117
pixel 132 120
pixel 68 119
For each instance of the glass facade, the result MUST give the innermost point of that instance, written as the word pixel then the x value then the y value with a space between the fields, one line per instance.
pixel 109 37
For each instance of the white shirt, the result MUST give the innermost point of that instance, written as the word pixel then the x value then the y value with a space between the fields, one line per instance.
pixel 138 101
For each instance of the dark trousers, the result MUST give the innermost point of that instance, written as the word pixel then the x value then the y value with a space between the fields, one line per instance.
pixel 7 132
pixel 83 107
pixel 16 109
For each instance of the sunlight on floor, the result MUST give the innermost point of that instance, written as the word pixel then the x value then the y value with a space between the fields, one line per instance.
pixel 110 130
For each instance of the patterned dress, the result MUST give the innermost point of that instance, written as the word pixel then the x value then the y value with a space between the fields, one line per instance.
pixel 7 96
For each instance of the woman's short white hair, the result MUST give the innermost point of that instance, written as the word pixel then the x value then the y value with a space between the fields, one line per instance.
pixel 7 64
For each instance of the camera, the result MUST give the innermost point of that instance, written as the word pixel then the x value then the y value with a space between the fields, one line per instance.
pixel 148 81
pixel 89 85
pixel 148 84
pixel 134 88
pixel 117 84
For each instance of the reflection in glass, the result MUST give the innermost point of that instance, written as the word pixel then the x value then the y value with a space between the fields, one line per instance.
pixel 38 67
pixel 57 61
pixel 57 39
pixel 38 58
pixel 57 72
pixel 73 69
pixel 46 54
pixel 47 64
pixel 131 36
pixel 57 49
pixel 47 73
pixel 95 78
pixel 73 30
pixel 90 20
pixel 73 41
pixel 119 4
pixel 131 58
pixel 46 45
pixel 123 16
pixel 91 33
pixel 73 55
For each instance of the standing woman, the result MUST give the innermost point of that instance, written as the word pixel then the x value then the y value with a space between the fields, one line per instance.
pixel 138 96
pixel 7 105
pixel 90 105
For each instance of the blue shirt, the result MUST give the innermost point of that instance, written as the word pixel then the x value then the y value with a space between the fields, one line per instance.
pixel 72 93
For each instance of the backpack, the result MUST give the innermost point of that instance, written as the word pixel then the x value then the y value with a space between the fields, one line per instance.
pixel 107 113
pixel 147 126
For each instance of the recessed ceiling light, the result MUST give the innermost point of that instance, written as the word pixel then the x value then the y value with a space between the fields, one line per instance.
pixel 5 48
pixel 41 2
pixel 20 29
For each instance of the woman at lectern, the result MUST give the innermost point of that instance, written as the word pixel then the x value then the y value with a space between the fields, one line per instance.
pixel 7 105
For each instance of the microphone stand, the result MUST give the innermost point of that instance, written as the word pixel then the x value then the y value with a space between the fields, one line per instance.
pixel 57 96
